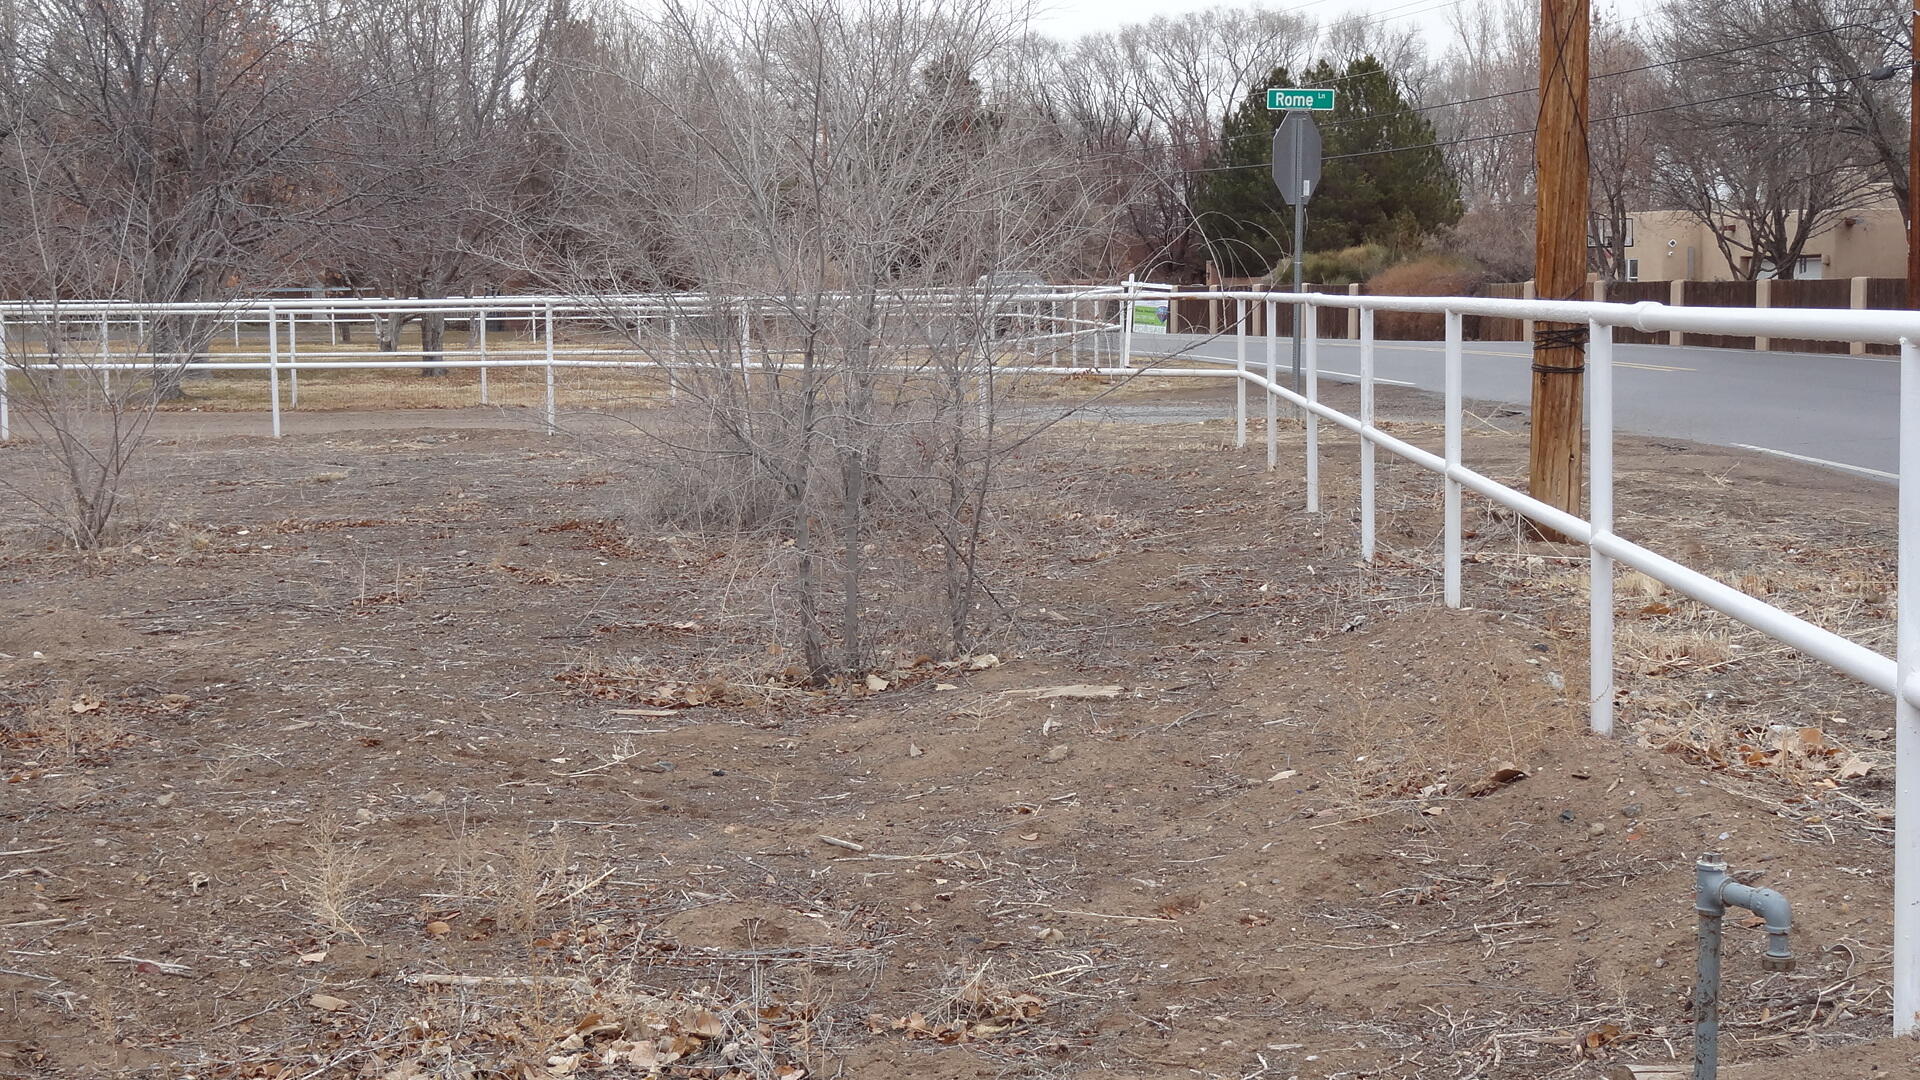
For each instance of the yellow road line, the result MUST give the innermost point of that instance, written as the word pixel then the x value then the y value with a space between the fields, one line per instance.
pixel 1512 356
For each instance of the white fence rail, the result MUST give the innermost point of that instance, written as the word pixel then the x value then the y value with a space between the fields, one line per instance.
pixel 1093 321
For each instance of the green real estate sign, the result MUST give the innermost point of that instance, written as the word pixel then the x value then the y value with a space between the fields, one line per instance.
pixel 1295 98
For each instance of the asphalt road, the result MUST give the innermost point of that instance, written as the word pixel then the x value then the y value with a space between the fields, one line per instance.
pixel 1837 411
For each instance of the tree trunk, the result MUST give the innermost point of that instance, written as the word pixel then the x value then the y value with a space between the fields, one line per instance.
pixel 433 333
pixel 433 330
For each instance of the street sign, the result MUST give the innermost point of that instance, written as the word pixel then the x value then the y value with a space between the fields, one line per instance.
pixel 1296 156
pixel 1288 97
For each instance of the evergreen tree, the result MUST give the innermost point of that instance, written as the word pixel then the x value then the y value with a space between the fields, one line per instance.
pixel 1379 198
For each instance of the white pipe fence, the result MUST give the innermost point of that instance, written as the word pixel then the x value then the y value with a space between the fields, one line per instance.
pixel 1111 308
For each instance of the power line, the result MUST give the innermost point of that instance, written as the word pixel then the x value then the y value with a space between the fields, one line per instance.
pixel 1443 143
pixel 1613 74
pixel 1514 93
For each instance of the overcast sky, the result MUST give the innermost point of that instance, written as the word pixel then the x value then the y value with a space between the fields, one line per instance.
pixel 1072 18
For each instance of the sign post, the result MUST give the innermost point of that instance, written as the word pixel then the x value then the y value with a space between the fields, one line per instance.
pixel 1296 172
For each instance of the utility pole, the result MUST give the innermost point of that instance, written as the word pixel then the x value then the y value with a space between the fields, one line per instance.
pixel 1560 254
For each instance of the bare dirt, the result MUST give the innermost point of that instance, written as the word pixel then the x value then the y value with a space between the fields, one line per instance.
pixel 422 753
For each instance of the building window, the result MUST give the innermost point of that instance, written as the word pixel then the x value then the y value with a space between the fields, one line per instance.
pixel 1603 231
pixel 1633 270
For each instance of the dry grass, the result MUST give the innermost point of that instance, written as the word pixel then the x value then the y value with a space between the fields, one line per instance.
pixel 1395 754
pixel 64 726
pixel 336 879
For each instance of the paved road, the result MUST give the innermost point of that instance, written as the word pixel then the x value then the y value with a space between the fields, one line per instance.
pixel 1840 411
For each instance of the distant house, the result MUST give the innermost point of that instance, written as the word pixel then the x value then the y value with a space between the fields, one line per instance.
pixel 1670 245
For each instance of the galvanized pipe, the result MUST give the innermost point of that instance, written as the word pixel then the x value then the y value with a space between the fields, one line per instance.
pixel 1600 514
pixel 1906 770
pixel 1450 496
pixel 1714 891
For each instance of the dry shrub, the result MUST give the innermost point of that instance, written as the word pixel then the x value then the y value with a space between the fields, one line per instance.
pixel 1431 275
pixel 524 877
pixel 336 877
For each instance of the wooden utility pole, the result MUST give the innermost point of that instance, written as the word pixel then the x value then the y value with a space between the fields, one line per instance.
pixel 1560 253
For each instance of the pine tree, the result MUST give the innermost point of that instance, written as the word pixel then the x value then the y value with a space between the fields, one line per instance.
pixel 1390 198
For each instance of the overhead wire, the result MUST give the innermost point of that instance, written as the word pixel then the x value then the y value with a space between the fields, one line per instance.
pixel 1441 143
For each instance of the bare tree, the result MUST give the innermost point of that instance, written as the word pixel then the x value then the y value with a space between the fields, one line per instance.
pixel 149 151
pixel 447 148
pixel 173 143
pixel 1818 51
pixel 1754 152
pixel 830 183
pixel 1621 142
pixel 1482 100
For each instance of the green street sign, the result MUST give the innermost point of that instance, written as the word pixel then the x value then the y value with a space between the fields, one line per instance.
pixel 1295 98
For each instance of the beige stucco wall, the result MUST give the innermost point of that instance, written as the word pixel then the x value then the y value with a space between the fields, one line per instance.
pixel 1862 243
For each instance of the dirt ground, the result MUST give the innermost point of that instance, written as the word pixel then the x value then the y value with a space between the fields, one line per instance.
pixel 416 753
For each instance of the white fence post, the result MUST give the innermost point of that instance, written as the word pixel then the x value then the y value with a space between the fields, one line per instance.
pixel 1240 366
pixel 1450 541
pixel 106 357
pixel 1366 444
pixel 1310 348
pixel 1600 504
pixel 273 364
pixel 484 359
pixel 1126 326
pixel 673 356
pixel 1273 380
pixel 1906 771
pixel 6 415
pixel 293 359
pixel 553 428
pixel 746 344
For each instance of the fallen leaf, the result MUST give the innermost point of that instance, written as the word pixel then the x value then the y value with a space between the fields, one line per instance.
pixel 945 686
pixel 1503 774
pixel 704 1023
pixel 875 683
pixel 1855 767
pixel 327 1002
pixel 914 751
pixel 1029 836
pixel 85 704
pixel 313 957
pixel 1603 1035
pixel 983 662
pixel 437 928
pixel 1283 774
